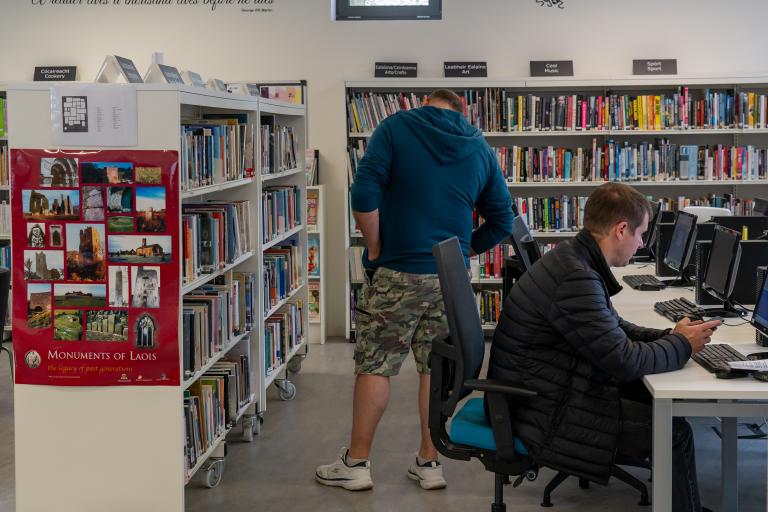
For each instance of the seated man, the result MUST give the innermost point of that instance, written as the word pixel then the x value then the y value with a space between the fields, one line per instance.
pixel 560 336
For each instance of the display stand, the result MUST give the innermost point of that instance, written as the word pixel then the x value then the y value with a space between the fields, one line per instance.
pixel 317 283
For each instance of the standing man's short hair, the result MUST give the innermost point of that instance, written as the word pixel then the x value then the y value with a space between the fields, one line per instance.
pixel 612 203
pixel 448 97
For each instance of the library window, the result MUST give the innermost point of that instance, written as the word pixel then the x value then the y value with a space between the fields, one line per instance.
pixel 388 9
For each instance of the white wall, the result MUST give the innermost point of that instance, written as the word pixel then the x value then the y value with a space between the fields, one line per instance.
pixel 298 40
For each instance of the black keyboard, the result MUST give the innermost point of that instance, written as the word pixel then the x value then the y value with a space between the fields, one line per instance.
pixel 715 357
pixel 644 282
pixel 676 309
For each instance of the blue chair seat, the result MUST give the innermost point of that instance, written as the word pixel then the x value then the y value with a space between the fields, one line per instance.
pixel 471 428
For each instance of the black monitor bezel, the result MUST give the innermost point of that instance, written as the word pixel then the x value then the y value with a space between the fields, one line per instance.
pixel 733 265
pixel 520 246
pixel 762 329
pixel 650 237
pixel 688 248
pixel 764 202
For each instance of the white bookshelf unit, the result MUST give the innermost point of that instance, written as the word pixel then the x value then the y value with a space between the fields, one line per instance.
pixel 756 135
pixel 135 454
pixel 5 196
pixel 317 283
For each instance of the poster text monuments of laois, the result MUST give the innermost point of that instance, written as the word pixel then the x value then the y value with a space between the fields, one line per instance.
pixel 95 267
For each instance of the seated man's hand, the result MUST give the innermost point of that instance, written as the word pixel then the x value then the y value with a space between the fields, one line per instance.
pixel 697 333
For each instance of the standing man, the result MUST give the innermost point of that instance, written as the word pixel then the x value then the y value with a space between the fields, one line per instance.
pixel 559 335
pixel 424 172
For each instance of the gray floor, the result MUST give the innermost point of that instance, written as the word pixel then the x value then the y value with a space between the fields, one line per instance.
pixel 275 472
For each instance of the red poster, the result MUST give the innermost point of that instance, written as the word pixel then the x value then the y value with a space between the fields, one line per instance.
pixel 96 267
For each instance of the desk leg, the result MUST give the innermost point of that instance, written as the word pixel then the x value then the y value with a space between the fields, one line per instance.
pixel 662 455
pixel 730 465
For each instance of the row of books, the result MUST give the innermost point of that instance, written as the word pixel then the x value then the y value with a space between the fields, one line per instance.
pixel 5 256
pixel 213 316
pixel 282 211
pixel 489 264
pixel 3 118
pixel 215 151
pixel 215 234
pixel 212 405
pixel 500 110
pixel 613 161
pixel 356 270
pixel 314 301
pixel 5 165
pixel 283 332
pixel 566 213
pixel 355 153
pixel 282 274
pixel 313 208
pixel 489 304
pixel 278 147
pixel 5 215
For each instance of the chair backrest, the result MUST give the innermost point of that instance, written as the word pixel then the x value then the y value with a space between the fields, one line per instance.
pixel 705 213
pixel 464 327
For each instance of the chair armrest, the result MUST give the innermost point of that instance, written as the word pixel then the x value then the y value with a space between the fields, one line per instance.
pixel 498 386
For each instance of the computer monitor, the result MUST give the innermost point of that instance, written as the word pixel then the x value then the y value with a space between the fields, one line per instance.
pixel 756 225
pixel 525 246
pixel 681 247
pixel 646 253
pixel 760 207
pixel 722 269
pixel 760 316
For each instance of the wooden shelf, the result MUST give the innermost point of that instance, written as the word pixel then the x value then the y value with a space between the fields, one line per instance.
pixel 208 189
pixel 283 174
pixel 283 302
pixel 487 280
pixel 283 237
pixel 554 234
pixel 605 133
pixel 207 278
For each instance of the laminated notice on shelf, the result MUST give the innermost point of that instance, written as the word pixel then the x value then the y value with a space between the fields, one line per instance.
pixel 116 70
pixel 94 115
pixel 396 70
pixel 192 78
pixel 55 73
pixel 162 74
pixel 551 68
pixel 216 85
pixel 465 69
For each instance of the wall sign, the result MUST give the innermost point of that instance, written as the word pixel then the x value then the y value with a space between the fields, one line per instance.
pixel 654 67
pixel 92 283
pixel 465 69
pixel 395 70
pixel 551 68
pixel 55 73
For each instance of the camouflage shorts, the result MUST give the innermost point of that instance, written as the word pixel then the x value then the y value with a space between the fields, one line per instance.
pixel 398 312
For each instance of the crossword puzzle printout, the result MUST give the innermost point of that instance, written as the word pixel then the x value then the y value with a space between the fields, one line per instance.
pixel 90 115
pixel 96 261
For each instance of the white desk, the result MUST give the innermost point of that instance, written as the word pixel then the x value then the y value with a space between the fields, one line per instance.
pixel 693 391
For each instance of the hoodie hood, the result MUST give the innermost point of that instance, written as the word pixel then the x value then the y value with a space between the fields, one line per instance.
pixel 447 134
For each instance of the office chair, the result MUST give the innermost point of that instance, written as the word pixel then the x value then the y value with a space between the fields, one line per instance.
pixel 456 361
pixel 705 213
pixel 5 286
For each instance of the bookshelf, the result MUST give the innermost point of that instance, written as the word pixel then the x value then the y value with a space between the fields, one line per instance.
pixel 494 107
pixel 316 237
pixel 145 425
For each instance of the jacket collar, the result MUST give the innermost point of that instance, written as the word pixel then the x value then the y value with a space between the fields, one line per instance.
pixel 597 261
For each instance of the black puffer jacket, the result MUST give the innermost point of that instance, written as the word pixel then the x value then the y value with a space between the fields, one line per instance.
pixel 559 335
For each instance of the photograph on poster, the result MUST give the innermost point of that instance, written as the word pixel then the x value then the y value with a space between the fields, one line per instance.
pixel 150 209
pixel 85 252
pixel 313 258
pixel 139 249
pixel 149 175
pixel 145 288
pixel 50 204
pixel 118 286
pixel 102 173
pixel 58 172
pixel 67 325
pixel 105 325
pixel 119 200
pixel 146 332
pixel 56 235
pixel 80 295
pixel 36 234
pixel 93 203
pixel 39 302
pixel 43 265
pixel 120 224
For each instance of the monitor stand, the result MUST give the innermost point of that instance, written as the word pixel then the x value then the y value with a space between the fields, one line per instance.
pixel 727 311
pixel 684 281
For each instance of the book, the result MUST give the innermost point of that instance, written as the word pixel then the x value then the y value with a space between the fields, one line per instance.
pixel 313 256
pixel 313 207
pixel 314 301
pixel 281 207
pixel 311 166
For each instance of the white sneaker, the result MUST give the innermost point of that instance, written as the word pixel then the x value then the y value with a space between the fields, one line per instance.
pixel 430 475
pixel 338 474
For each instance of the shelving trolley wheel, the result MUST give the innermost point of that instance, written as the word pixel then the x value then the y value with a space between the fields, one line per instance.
pixel 258 423
pixel 294 365
pixel 249 428
pixel 214 470
pixel 287 390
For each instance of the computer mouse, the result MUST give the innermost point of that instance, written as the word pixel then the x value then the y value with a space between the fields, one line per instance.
pixel 729 373
pixel 756 356
pixel 763 376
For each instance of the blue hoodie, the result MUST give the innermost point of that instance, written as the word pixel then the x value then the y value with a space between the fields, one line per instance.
pixel 425 170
